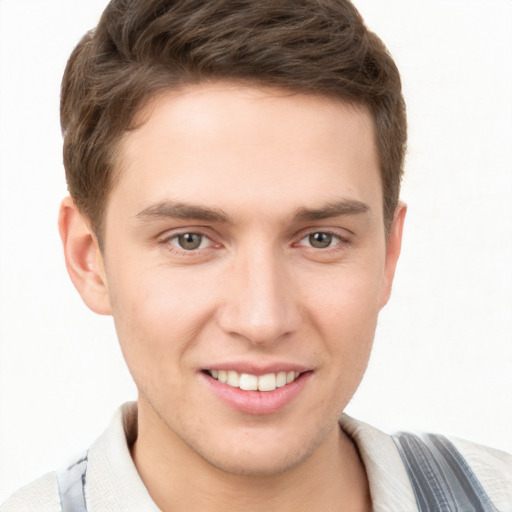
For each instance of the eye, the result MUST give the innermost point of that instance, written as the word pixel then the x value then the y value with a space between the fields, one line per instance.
pixel 321 240
pixel 190 241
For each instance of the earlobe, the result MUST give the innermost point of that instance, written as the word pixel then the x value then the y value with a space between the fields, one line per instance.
pixel 393 247
pixel 83 258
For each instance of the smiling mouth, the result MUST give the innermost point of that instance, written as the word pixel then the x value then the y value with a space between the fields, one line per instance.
pixel 250 382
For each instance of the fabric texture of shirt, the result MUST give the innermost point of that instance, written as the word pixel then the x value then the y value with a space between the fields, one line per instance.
pixel 113 484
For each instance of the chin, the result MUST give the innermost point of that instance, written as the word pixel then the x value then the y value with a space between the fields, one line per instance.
pixel 255 464
pixel 259 455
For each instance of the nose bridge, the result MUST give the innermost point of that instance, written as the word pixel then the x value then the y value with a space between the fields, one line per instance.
pixel 260 303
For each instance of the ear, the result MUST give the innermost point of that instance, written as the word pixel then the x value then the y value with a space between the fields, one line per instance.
pixel 83 258
pixel 393 247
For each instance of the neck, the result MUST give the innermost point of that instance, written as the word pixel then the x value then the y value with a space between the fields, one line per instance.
pixel 178 479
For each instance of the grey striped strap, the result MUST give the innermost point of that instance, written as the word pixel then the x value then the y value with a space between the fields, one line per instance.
pixel 71 483
pixel 441 478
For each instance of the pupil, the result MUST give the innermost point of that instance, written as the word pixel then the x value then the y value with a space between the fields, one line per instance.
pixel 320 240
pixel 190 241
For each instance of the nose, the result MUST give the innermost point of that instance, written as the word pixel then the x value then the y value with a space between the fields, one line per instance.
pixel 260 300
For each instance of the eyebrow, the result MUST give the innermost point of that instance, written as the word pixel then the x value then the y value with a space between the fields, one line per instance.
pixel 336 209
pixel 177 210
pixel 185 211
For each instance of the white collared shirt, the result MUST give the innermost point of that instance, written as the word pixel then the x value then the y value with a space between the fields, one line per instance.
pixel 113 483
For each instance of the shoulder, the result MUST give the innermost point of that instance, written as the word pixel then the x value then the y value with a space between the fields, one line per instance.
pixel 398 466
pixel 42 495
pixel 105 477
pixel 492 467
pixel 450 468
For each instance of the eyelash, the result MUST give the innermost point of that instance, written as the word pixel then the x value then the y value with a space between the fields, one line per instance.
pixel 174 247
pixel 341 242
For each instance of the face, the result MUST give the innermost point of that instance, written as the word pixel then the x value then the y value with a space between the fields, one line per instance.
pixel 245 263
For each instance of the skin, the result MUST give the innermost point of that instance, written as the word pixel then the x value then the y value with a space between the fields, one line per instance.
pixel 255 174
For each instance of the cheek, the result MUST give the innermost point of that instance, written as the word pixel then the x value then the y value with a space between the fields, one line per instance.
pixel 157 315
pixel 345 314
pixel 345 299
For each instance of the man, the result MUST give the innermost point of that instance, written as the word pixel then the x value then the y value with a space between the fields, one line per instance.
pixel 234 172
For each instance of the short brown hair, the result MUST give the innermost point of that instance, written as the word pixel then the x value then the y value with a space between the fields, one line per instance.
pixel 143 47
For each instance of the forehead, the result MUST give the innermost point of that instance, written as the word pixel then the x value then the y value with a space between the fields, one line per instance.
pixel 239 146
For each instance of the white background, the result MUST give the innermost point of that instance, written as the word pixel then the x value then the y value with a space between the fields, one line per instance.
pixel 443 355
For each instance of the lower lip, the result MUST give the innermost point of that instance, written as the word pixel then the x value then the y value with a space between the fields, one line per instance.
pixel 257 402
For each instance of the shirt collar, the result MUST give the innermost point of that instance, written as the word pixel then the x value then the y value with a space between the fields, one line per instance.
pixel 390 487
pixel 114 484
pixel 112 481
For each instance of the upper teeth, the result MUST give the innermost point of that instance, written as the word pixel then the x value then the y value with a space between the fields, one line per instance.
pixel 249 382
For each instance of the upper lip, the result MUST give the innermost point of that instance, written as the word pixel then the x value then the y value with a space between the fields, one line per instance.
pixel 258 369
